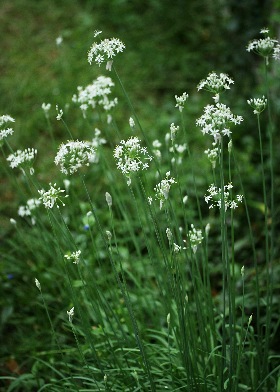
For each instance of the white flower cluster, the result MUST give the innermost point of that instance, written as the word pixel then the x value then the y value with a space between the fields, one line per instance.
pixel 156 149
pixel 180 101
pixel 28 208
pixel 212 154
pixel 265 47
pixel 215 83
pixel 215 197
pixel 179 149
pixel 131 157
pixel 216 121
pixel 162 190
pixel 75 256
pixel 173 131
pixel 258 104
pixel 46 108
pixel 195 238
pixel 105 50
pixel 7 131
pixel 52 196
pixel 23 158
pixel 70 314
pixel 73 155
pixel 96 94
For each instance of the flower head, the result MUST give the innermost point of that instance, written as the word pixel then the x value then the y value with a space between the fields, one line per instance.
pixel 264 47
pixel 52 196
pixel 215 196
pixel 195 237
pixel 7 131
pixel 73 155
pixel 70 314
pixel 217 120
pixel 215 83
pixel 258 104
pixel 180 101
pixel 23 159
pixel 75 256
pixel 96 93
pixel 131 157
pixel 27 210
pixel 162 189
pixel 105 50
pixel 213 154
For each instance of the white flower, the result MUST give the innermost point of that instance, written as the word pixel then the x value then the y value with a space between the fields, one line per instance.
pixel 95 94
pixel 105 50
pixel 23 158
pixel 46 108
pixel 264 47
pixel 215 84
pixel 195 237
pixel 71 314
pixel 212 155
pixel 169 234
pixel 5 132
pixel 215 197
pixel 59 113
pixel 38 285
pixel 108 198
pixel 28 208
pixel 13 221
pixel 162 189
pixel 75 256
pixel 180 101
pixel 217 120
pixel 176 248
pixel 131 157
pixel 131 123
pixel 52 196
pixel 73 155
pixel 6 118
pixel 173 131
pixel 59 41
pixel 96 33
pixel 258 104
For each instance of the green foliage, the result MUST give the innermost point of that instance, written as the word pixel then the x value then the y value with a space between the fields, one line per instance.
pixel 148 316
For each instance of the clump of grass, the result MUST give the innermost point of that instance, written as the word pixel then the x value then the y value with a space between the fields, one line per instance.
pixel 126 237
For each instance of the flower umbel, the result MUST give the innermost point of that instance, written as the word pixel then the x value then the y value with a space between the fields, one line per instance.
pixel 23 159
pixel 70 314
pixel 215 83
pixel 162 189
pixel 131 157
pixel 96 94
pixel 52 196
pixel 215 197
pixel 7 131
pixel 74 256
pixel 217 120
pixel 195 237
pixel 180 101
pixel 73 155
pixel 264 47
pixel 105 50
pixel 258 104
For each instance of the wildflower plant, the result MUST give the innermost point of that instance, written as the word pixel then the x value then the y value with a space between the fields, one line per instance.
pixel 265 47
pixel 138 266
